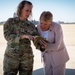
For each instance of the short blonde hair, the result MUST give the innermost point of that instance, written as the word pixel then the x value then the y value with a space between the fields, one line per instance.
pixel 46 16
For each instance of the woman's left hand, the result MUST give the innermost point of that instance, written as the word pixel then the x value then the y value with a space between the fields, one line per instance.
pixel 27 36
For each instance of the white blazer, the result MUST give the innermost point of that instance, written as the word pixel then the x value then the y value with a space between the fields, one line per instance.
pixel 56 47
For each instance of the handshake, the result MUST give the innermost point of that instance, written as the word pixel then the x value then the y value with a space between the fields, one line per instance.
pixel 40 43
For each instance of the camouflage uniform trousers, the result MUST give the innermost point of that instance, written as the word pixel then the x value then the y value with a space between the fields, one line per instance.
pixel 18 61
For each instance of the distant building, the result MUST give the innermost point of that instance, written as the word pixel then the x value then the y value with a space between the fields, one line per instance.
pixel 15 15
pixel 35 22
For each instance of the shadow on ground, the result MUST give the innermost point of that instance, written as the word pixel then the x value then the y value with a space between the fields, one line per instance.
pixel 40 72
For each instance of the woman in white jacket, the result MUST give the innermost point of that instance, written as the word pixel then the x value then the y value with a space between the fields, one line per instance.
pixel 55 55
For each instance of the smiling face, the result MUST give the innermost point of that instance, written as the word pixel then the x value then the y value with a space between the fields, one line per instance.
pixel 26 11
pixel 46 20
pixel 45 25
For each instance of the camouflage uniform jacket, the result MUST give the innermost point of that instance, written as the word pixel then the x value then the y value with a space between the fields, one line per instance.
pixel 13 29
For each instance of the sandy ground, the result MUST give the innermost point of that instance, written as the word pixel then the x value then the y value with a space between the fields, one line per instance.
pixel 69 38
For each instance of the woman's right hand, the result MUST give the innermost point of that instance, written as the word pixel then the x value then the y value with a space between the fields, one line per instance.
pixel 43 43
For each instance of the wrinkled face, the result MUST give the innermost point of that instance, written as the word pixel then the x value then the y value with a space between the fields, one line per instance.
pixel 45 25
pixel 26 11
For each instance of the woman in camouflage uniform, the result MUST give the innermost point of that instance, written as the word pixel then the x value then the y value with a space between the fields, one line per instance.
pixel 18 32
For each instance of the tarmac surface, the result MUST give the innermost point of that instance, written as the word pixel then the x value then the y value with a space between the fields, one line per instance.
pixel 38 65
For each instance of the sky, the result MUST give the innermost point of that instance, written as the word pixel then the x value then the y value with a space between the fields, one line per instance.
pixel 62 10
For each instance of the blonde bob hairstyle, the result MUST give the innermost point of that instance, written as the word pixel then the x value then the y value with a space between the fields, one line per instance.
pixel 46 16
